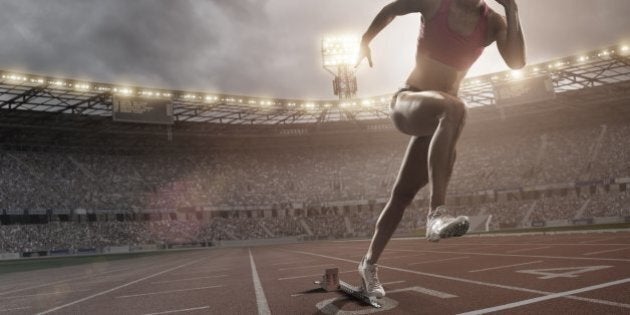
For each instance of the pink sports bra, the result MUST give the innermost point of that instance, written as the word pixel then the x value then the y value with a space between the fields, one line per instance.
pixel 439 42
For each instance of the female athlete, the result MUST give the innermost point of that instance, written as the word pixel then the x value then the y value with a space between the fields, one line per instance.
pixel 453 35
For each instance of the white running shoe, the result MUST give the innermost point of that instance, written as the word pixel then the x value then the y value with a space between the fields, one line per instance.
pixel 369 280
pixel 441 225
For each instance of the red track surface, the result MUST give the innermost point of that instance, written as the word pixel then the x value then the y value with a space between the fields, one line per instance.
pixel 471 274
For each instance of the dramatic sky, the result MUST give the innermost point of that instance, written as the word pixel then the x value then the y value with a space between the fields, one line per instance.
pixel 259 47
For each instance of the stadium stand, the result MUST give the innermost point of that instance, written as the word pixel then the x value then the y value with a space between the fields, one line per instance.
pixel 75 181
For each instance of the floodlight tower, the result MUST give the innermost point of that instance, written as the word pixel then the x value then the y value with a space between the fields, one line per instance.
pixel 339 55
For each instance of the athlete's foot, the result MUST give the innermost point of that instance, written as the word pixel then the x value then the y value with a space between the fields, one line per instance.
pixel 441 225
pixel 370 284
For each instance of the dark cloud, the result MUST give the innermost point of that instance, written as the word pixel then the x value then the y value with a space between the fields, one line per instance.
pixel 262 47
pixel 103 39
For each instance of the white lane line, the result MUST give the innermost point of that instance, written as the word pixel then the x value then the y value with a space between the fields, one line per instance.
pixel 400 257
pixel 179 311
pixel 261 300
pixel 15 309
pixel 598 240
pixel 507 266
pixel 206 269
pixel 40 294
pixel 189 279
pixel 384 283
pixel 319 275
pixel 525 249
pixel 118 287
pixel 105 280
pixel 169 291
pixel 546 298
pixel 304 267
pixel 606 251
pixel 112 271
pixel 488 284
pixel 437 260
pixel 46 284
pixel 98 275
pixel 287 263
pixel 528 244
pixel 189 272
pixel 438 294
pixel 512 255
pixel 393 282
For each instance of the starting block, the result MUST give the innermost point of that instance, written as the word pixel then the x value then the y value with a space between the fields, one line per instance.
pixel 330 282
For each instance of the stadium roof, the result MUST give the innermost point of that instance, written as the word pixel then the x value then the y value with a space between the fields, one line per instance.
pixel 53 96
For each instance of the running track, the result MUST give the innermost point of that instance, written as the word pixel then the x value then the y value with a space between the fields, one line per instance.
pixel 535 274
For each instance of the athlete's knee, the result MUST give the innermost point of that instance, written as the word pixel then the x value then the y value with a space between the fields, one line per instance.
pixel 455 111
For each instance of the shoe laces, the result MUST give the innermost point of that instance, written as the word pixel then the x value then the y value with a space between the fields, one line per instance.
pixel 371 275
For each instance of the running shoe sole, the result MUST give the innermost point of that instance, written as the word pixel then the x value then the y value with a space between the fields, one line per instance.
pixel 456 228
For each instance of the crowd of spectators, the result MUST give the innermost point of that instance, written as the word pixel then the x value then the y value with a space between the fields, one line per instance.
pixel 76 235
pixel 41 181
pixel 608 205
pixel 31 180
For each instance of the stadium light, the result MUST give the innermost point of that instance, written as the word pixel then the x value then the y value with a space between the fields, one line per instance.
pixel 367 103
pixel 340 50
pixel 154 94
pixel 81 86
pixel 14 77
pixel 123 91
pixel 339 54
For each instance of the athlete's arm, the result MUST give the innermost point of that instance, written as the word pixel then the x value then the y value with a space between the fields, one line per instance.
pixel 383 18
pixel 509 35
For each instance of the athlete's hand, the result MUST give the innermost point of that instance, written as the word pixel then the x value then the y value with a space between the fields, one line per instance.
pixel 365 52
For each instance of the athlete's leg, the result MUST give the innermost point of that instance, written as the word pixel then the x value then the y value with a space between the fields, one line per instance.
pixel 435 120
pixel 413 175
pixel 437 114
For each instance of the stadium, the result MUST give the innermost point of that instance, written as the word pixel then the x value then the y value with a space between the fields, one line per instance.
pixel 138 200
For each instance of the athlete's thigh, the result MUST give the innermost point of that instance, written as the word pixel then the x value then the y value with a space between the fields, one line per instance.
pixel 419 113
pixel 413 174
